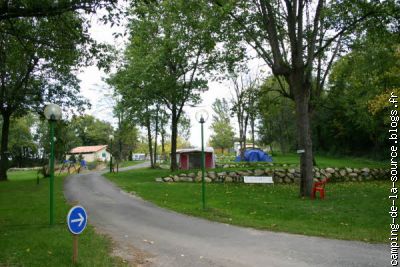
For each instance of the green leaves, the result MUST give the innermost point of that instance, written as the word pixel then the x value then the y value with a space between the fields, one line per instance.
pixel 356 105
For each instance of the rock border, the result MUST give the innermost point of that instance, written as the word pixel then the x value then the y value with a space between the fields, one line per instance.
pixel 280 175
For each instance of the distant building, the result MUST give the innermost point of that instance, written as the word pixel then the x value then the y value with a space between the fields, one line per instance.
pixel 190 158
pixel 90 153
pixel 138 156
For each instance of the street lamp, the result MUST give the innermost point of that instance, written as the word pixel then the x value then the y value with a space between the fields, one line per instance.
pixel 111 137
pixel 52 112
pixel 201 117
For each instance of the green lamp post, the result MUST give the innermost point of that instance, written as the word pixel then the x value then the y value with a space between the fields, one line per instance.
pixel 52 112
pixel 111 137
pixel 201 117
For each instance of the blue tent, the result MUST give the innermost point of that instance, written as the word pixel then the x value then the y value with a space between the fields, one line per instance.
pixel 254 155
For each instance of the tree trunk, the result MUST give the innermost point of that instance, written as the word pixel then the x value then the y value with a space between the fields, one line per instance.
pixel 149 140
pixel 301 91
pixel 241 141
pixel 162 133
pixel 163 145
pixel 4 146
pixel 155 139
pixel 174 135
pixel 246 120
pixel 252 132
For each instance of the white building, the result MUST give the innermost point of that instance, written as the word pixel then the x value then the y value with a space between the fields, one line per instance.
pixel 90 153
pixel 138 156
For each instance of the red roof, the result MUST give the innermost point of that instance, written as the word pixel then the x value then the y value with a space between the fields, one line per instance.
pixel 87 149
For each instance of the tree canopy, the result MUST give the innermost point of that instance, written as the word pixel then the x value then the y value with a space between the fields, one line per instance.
pixel 170 49
pixel 39 59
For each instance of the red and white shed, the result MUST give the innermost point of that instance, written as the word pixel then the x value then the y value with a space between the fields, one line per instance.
pixel 190 158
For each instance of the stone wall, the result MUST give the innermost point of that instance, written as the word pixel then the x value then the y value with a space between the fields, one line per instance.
pixel 281 175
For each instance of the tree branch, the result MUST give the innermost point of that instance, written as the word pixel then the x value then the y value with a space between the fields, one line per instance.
pixel 33 9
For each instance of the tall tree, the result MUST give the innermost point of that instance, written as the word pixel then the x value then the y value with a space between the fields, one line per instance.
pixel 244 105
pixel 90 130
pixel 357 80
pixel 277 114
pixel 293 37
pixel 137 99
pixel 221 125
pixel 38 58
pixel 221 109
pixel 22 144
pixel 170 48
pixel 222 136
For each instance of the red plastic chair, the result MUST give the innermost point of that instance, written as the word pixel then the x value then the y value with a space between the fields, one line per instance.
pixel 319 187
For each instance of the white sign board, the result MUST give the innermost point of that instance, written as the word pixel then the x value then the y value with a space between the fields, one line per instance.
pixel 258 179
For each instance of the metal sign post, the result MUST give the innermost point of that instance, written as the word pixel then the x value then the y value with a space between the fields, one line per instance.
pixel 76 221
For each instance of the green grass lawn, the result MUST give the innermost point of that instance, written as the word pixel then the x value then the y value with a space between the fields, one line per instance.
pixel 323 161
pixel 354 211
pixel 26 239
pixel 337 162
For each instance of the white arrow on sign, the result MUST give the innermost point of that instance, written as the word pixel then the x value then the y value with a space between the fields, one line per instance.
pixel 80 220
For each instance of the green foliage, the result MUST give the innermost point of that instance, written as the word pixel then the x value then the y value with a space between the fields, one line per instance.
pixel 40 8
pixel 127 138
pixel 79 131
pixel 22 144
pixel 277 114
pixel 353 116
pixel 223 131
pixel 223 135
pixel 39 57
pixel 222 110
pixel 169 51
pixel 90 130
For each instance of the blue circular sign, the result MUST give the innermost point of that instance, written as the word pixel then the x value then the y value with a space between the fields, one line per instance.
pixel 77 219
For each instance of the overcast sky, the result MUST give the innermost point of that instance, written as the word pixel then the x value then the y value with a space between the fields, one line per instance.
pixel 96 90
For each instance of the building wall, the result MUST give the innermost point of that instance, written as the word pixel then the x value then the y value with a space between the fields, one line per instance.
pixel 102 155
pixel 185 163
pixel 96 156
pixel 209 160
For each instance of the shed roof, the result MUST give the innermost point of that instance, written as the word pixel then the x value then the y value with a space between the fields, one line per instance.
pixel 87 149
pixel 197 149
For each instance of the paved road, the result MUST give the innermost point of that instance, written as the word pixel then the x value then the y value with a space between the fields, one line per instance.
pixel 165 238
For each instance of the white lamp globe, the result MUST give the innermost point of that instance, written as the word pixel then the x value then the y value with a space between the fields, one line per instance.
pixel 52 112
pixel 201 115
pixel 111 137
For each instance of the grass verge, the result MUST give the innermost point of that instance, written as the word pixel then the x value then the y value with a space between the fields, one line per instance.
pixel 337 162
pixel 25 234
pixel 322 161
pixel 352 211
